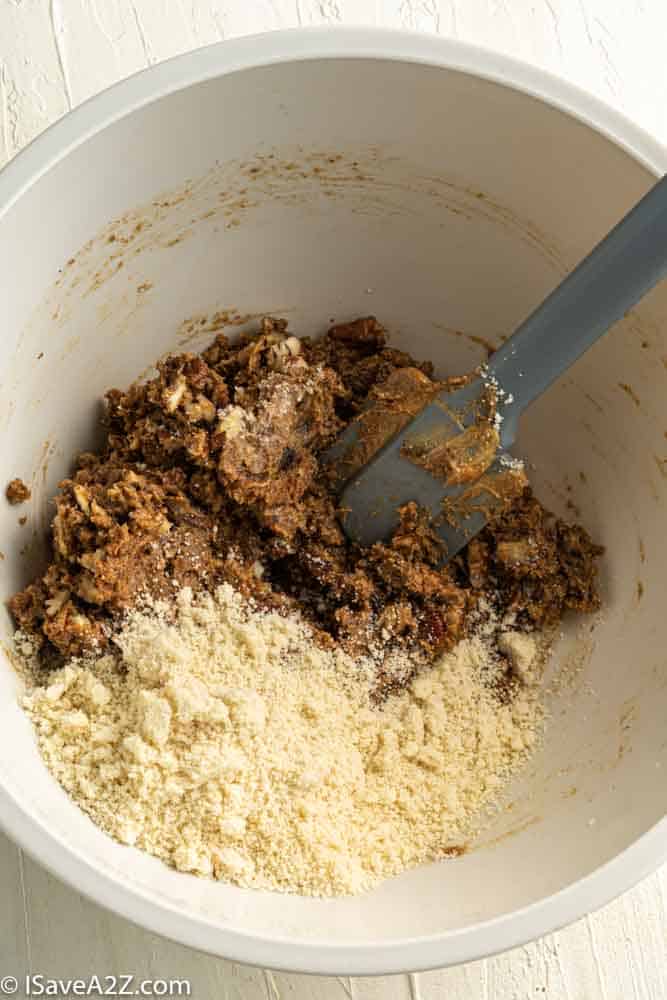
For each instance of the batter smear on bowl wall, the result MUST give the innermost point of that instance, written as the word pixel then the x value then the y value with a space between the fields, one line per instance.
pixel 220 677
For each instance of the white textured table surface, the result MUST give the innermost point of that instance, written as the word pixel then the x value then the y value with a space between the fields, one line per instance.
pixel 56 53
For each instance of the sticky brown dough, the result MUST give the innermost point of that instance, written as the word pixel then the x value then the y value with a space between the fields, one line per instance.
pixel 455 454
pixel 212 473
pixel 17 492
pixel 391 405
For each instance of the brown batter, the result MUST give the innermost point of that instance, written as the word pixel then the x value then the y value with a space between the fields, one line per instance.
pixel 211 472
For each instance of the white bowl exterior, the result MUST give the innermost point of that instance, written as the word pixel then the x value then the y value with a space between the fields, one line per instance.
pixel 447 204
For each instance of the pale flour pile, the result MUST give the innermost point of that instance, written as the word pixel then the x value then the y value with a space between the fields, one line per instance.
pixel 230 745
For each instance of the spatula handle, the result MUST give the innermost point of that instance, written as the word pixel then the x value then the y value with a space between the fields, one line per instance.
pixel 628 262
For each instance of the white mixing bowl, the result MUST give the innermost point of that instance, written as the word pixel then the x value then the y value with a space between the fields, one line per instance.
pixel 322 175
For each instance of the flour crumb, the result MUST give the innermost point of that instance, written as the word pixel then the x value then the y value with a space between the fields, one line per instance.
pixel 522 650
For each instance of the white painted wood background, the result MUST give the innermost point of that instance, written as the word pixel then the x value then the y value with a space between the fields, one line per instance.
pixel 56 53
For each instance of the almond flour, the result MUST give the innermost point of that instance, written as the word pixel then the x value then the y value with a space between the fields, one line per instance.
pixel 222 739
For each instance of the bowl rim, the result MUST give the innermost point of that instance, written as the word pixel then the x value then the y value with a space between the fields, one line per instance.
pixel 475 941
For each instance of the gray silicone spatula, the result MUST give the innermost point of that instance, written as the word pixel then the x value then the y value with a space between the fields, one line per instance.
pixel 628 262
